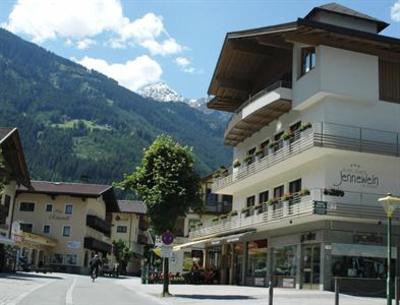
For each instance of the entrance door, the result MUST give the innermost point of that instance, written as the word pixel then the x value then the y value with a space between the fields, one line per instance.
pixel 311 266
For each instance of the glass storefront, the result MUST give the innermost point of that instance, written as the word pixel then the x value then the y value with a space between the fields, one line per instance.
pixel 284 266
pixel 361 267
pixel 238 251
pixel 257 262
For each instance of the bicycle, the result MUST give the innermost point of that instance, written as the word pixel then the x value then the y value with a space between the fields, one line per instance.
pixel 93 274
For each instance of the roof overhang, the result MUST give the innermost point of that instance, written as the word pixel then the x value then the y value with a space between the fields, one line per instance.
pixel 13 154
pixel 251 59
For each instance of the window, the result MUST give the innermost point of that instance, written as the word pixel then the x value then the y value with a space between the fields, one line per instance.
pixel 250 155
pixel 66 231
pixel 26 227
pixel 264 147
pixel 278 191
pixel 257 261
pixel 295 186
pixel 263 197
pixel 7 202
pixel 278 136
pixel 46 229
pixel 49 207
pixel 71 259
pixel 251 201
pixel 68 209
pixel 227 199
pixel 308 59
pixel 27 206
pixel 122 229
pixel 58 259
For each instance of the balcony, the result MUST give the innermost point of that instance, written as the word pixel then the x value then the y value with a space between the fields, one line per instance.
pixel 258 111
pixel 320 134
pixel 98 224
pixel 318 205
pixel 96 245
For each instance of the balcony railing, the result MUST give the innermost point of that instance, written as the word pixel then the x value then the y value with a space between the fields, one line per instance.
pixel 96 245
pixel 321 134
pixel 98 224
pixel 319 203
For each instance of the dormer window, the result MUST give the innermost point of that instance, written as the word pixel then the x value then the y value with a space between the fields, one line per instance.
pixel 308 59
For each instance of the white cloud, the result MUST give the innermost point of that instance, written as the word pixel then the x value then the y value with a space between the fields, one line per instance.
pixel 85 43
pixel 49 19
pixel 80 20
pixel 132 74
pixel 395 11
pixel 182 61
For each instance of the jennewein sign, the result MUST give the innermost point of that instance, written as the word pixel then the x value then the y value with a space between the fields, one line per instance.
pixel 355 175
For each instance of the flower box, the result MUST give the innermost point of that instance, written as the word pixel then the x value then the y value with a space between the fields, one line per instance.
pixel 236 163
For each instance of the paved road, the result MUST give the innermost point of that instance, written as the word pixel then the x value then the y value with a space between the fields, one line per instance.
pixel 67 289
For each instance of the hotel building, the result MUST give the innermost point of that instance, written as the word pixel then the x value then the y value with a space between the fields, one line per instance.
pixel 130 224
pixel 63 225
pixel 315 132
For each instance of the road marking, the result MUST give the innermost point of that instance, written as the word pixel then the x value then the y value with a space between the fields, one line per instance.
pixel 68 296
pixel 25 294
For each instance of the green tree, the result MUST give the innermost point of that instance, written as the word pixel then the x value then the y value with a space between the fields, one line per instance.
pixel 122 253
pixel 167 183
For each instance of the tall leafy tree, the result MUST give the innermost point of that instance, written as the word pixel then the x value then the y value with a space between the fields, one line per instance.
pixel 168 184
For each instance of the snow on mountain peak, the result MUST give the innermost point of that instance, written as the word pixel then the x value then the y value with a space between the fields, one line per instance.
pixel 160 92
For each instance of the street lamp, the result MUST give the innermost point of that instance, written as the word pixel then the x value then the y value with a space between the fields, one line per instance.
pixel 389 204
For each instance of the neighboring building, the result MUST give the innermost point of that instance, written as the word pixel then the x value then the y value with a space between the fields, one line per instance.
pixel 315 132
pixel 63 224
pixel 13 172
pixel 214 207
pixel 130 225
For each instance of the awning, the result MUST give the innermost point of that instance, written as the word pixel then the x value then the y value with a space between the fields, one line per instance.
pixel 6 241
pixel 229 239
pixel 192 243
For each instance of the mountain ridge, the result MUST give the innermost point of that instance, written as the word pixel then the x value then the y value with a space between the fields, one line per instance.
pixel 77 122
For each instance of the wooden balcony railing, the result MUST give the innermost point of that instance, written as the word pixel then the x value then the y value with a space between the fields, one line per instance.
pixel 98 224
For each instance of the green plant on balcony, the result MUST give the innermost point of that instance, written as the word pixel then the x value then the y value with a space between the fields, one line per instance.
pixel 260 207
pixel 272 201
pixel 287 136
pixel 199 224
pixel 304 192
pixel 216 175
pixel 248 159
pixel 287 196
pixel 215 219
pixel 245 209
pixel 260 153
pixel 223 217
pixel 236 163
pixel 223 171
pixel 305 126
pixel 273 145
pixel 233 213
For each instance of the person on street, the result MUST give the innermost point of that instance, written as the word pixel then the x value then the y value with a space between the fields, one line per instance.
pixel 95 265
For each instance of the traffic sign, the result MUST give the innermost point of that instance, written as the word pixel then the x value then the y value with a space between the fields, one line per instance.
pixel 167 238
pixel 166 251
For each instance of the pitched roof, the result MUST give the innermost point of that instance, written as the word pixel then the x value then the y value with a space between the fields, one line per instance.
pixel 132 206
pixel 66 188
pixel 74 189
pixel 343 10
pixel 13 154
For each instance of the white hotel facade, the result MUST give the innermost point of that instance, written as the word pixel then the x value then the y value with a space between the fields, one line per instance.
pixel 315 131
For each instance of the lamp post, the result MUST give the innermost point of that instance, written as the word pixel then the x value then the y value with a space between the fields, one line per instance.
pixel 389 204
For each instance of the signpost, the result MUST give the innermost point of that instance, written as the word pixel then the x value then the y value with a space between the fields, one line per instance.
pixel 166 252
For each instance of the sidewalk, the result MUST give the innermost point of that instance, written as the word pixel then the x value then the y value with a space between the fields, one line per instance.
pixel 219 294
pixel 14 287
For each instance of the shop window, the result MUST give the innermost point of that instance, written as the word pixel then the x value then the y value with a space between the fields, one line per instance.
pixel 68 209
pixel 71 259
pixel 26 227
pixel 257 262
pixel 284 261
pixel 49 207
pixel 357 266
pixel 251 201
pixel 122 229
pixel 27 206
pixel 263 197
pixel 46 229
pixel 66 231
pixel 58 259
pixel 278 191
pixel 308 59
pixel 295 186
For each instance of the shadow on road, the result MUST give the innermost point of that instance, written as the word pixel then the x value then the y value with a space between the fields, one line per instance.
pixel 28 276
pixel 213 297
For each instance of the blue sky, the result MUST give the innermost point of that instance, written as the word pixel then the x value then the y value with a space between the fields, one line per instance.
pixel 139 42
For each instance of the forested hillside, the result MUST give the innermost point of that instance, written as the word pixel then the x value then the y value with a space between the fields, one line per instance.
pixel 76 122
